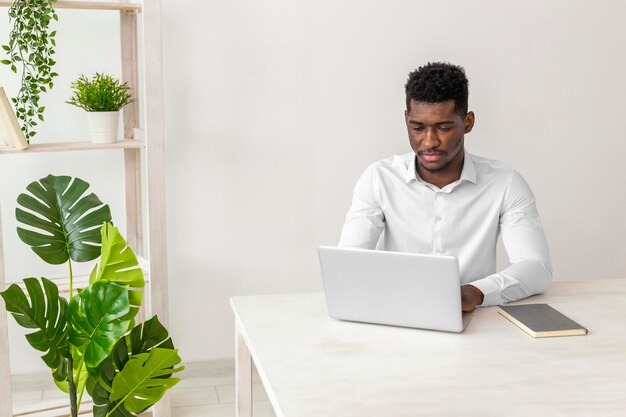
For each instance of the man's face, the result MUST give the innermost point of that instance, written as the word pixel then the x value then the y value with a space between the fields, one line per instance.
pixel 436 134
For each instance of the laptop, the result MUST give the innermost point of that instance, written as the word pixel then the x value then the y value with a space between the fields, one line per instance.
pixel 393 288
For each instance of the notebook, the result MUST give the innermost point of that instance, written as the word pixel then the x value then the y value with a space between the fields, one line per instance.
pixel 541 320
pixel 393 288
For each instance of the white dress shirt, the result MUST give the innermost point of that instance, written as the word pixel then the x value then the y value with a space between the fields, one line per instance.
pixel 462 219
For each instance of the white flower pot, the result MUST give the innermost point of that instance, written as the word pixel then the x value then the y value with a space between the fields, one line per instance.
pixel 103 126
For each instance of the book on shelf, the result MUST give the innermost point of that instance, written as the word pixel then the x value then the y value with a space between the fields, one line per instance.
pixel 541 320
pixel 10 130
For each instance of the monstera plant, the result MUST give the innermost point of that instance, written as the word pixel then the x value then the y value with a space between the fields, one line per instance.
pixel 91 341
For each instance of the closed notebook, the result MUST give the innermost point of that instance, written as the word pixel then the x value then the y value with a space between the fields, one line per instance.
pixel 541 320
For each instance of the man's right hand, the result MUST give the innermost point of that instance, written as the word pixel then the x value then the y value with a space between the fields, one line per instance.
pixel 471 297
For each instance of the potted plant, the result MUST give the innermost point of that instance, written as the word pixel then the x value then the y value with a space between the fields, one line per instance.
pixel 91 341
pixel 102 96
pixel 30 49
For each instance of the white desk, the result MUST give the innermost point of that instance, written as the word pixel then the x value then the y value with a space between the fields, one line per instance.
pixel 314 366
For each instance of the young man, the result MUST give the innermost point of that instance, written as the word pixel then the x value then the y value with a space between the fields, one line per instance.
pixel 440 199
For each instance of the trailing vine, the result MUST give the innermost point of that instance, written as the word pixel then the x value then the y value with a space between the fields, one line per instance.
pixel 31 47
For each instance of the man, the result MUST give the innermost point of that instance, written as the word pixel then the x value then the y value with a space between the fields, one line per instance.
pixel 440 199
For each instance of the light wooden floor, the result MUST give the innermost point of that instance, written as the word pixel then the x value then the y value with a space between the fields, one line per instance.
pixel 207 389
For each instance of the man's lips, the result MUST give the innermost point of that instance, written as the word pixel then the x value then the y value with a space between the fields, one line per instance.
pixel 431 156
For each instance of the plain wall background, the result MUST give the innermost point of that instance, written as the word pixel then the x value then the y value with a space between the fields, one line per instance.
pixel 274 109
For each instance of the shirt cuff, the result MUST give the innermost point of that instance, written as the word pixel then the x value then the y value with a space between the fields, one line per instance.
pixel 490 290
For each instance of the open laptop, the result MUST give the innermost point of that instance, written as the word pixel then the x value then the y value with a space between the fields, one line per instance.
pixel 399 289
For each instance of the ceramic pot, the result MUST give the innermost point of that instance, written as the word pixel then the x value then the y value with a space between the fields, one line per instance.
pixel 103 126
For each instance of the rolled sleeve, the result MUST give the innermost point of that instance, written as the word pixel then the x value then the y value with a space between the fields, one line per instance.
pixel 530 269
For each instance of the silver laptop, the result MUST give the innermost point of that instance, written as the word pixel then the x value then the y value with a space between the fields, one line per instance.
pixel 399 289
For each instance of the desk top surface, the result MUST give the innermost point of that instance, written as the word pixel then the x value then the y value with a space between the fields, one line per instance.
pixel 312 365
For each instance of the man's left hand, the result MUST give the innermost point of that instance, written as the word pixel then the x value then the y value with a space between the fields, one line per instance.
pixel 471 297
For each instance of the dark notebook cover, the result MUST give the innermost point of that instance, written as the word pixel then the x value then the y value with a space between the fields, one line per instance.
pixel 541 320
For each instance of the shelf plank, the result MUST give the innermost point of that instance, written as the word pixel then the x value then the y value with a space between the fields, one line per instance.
pixel 91 4
pixel 79 281
pixel 76 146
pixel 52 408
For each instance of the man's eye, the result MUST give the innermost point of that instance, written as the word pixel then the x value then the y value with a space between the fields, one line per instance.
pixel 444 128
pixel 418 128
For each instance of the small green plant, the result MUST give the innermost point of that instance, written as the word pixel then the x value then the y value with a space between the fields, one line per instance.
pixel 102 92
pixel 31 47
pixel 91 342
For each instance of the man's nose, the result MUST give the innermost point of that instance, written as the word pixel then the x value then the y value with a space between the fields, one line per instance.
pixel 431 140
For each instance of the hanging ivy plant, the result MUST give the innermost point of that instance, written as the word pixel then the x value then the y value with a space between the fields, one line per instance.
pixel 30 50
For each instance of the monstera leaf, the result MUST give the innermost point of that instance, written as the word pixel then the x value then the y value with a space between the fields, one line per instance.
pixel 80 380
pixel 99 316
pixel 142 382
pixel 62 221
pixel 143 338
pixel 47 314
pixel 118 263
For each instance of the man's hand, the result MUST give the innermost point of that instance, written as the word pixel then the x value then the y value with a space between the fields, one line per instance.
pixel 471 297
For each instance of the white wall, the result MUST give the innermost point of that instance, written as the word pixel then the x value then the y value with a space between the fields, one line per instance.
pixel 274 109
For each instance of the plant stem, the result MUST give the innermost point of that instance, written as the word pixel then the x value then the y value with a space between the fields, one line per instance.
pixel 82 390
pixel 71 278
pixel 72 387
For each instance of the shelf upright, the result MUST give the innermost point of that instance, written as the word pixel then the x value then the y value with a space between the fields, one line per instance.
pixel 155 161
pixel 152 140
pixel 132 157
pixel 6 407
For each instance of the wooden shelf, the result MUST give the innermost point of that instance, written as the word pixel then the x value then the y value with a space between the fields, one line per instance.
pixel 58 408
pixel 140 31
pixel 93 5
pixel 53 408
pixel 76 146
pixel 80 280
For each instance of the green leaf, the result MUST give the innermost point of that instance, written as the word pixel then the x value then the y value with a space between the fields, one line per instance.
pixel 143 338
pixel 47 314
pixel 31 44
pixel 63 221
pixel 101 92
pixel 63 386
pixel 98 318
pixel 6 62
pixel 118 263
pixel 141 383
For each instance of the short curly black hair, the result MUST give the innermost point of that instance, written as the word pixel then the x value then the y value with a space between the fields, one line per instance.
pixel 437 82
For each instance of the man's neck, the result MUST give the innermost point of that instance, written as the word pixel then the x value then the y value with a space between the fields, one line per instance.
pixel 446 176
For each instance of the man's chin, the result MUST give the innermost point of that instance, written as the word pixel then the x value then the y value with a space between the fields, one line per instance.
pixel 433 167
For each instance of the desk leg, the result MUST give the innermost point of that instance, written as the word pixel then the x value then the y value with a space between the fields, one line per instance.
pixel 243 377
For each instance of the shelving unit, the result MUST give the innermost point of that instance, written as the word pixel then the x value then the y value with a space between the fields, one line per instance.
pixel 151 141
pixel 76 146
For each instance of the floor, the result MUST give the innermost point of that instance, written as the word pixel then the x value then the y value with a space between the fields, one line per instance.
pixel 207 389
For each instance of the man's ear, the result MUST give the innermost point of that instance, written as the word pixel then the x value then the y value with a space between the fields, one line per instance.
pixel 469 121
pixel 406 116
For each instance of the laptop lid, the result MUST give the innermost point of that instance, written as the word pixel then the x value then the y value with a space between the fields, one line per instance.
pixel 400 289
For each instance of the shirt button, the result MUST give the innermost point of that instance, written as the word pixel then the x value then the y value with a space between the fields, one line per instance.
pixel 438 219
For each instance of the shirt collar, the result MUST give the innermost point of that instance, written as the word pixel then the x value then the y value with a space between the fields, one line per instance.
pixel 469 169
pixel 467 174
